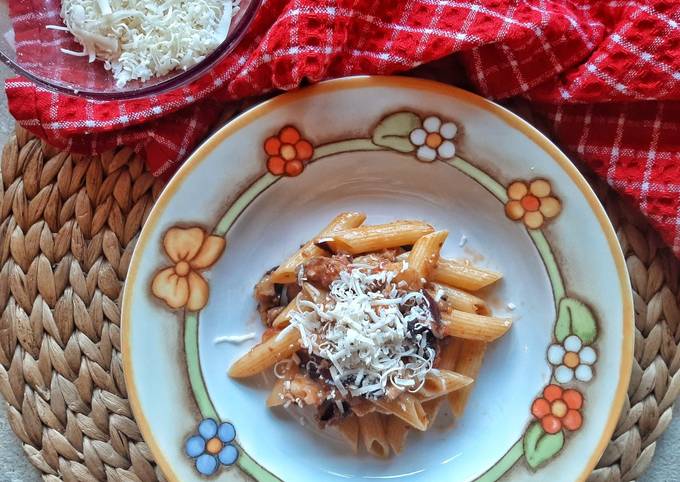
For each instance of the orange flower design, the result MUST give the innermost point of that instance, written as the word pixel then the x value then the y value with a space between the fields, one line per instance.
pixel 532 203
pixel 192 251
pixel 558 408
pixel 288 152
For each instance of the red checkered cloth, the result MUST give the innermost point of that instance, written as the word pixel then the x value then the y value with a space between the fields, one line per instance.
pixel 605 75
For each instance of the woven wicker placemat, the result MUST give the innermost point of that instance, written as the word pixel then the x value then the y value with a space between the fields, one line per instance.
pixel 68 225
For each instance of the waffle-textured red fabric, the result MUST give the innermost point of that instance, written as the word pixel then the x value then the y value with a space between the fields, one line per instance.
pixel 605 75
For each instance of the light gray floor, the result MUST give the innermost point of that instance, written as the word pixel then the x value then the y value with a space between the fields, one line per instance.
pixel 14 466
pixel 666 463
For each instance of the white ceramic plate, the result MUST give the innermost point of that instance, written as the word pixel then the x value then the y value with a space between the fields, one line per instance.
pixel 395 148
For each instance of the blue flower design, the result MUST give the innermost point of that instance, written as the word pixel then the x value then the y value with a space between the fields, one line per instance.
pixel 211 446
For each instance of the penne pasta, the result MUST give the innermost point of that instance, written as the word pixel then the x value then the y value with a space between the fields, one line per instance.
pixel 458 299
pixel 267 353
pixel 308 292
pixel 306 391
pixel 283 318
pixel 313 294
pixel 375 238
pixel 373 434
pixel 442 382
pixel 287 271
pixel 474 327
pixel 269 333
pixel 397 431
pixel 407 407
pixel 379 331
pixel 424 255
pixel 448 353
pixel 464 276
pixel 432 408
pixel 362 406
pixel 277 396
pixel 348 428
pixel 410 276
pixel 469 363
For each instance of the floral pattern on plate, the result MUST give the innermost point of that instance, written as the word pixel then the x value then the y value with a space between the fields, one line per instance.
pixel 211 446
pixel 427 138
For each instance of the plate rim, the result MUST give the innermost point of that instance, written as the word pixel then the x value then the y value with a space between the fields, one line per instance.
pixel 371 81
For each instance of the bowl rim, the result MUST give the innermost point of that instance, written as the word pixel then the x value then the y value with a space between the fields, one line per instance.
pixel 178 80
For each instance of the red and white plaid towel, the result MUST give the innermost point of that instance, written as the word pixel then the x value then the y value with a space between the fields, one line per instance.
pixel 605 75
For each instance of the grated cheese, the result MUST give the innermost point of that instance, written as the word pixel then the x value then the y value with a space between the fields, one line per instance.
pixel 366 331
pixel 282 368
pixel 141 39
pixel 234 338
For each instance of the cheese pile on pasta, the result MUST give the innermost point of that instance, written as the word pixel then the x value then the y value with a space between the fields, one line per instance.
pixel 372 329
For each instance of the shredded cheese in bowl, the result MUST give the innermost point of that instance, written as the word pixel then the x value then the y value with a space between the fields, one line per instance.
pixel 141 39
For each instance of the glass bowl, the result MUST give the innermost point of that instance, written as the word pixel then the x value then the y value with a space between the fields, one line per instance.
pixel 32 50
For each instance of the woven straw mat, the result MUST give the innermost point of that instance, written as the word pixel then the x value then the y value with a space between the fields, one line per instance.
pixel 68 225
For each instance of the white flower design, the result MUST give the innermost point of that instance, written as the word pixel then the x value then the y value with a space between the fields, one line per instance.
pixel 434 139
pixel 572 359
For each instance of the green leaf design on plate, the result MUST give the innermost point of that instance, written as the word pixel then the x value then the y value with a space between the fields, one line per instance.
pixel 574 317
pixel 539 446
pixel 394 130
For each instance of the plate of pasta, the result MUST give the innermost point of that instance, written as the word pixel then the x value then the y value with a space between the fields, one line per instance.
pixel 366 326
pixel 422 287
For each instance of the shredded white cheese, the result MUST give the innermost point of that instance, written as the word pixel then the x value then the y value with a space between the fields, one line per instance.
pixel 141 39
pixel 369 331
pixel 282 367
pixel 235 338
